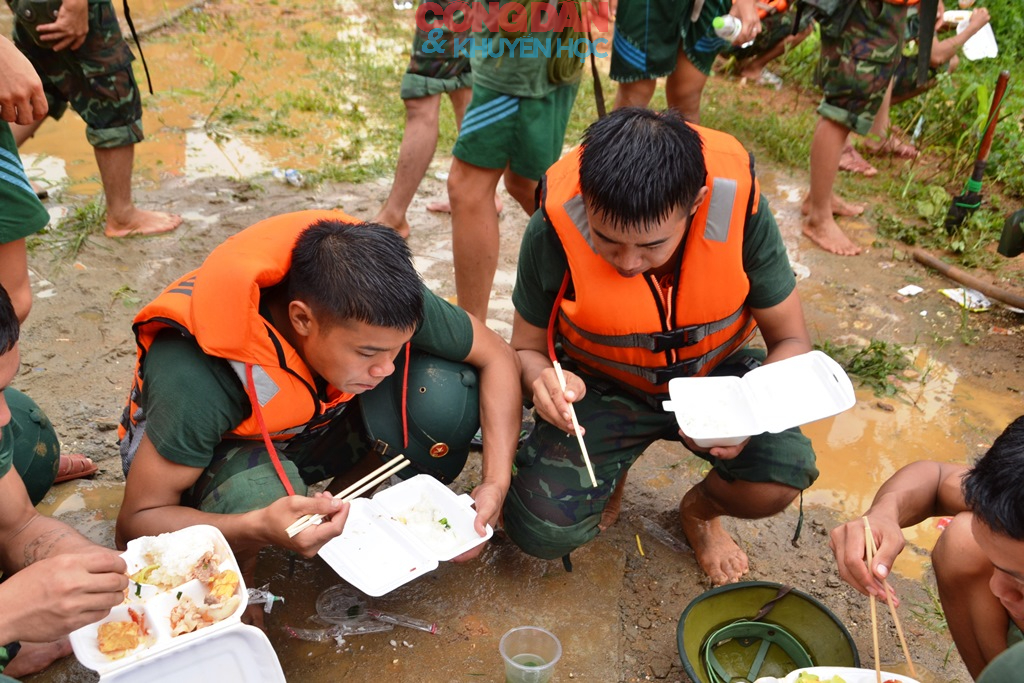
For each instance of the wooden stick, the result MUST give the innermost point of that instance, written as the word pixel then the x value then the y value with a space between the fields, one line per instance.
pixel 576 426
pixel 369 481
pixel 868 545
pixel 892 608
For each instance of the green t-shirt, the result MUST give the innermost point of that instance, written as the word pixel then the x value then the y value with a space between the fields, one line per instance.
pixel 542 266
pixel 23 214
pixel 516 75
pixel 191 399
pixel 6 449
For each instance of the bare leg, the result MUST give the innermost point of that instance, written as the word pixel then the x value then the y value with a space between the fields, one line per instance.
pixel 880 139
pixel 34 657
pixel 417 149
pixel 14 276
pixel 635 94
pixel 684 87
pixel 611 511
pixel 820 226
pixel 23 132
pixel 523 190
pixel 701 509
pixel 123 217
pixel 977 620
pixel 475 239
pixel 460 101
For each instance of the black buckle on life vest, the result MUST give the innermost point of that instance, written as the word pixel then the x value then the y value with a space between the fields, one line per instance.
pixel 686 368
pixel 679 338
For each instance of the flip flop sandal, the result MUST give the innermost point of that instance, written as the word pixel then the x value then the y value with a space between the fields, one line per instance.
pixel 75 466
pixel 852 162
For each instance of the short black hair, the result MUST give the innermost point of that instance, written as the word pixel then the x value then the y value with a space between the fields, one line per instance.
pixel 360 272
pixel 637 166
pixel 10 328
pixel 993 487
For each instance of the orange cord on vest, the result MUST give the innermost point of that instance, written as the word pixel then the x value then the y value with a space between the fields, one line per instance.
pixel 250 389
pixel 405 399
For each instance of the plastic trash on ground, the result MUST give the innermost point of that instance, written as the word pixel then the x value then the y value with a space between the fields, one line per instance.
pixel 971 299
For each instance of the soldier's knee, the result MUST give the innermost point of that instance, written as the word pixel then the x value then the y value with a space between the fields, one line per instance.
pixel 541 537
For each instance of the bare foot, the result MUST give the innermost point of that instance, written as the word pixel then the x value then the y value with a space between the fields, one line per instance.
pixel 852 161
pixel 34 657
pixel 840 207
pixel 141 222
pixel 829 236
pixel 610 515
pixel 446 207
pixel 893 147
pixel 717 554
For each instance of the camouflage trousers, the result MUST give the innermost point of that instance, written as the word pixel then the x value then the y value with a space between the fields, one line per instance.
pixel 96 79
pixel 241 477
pixel 551 507
pixel 855 68
pixel 432 73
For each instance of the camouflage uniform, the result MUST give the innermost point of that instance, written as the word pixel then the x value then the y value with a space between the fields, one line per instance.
pixel 96 79
pixel 431 73
pixel 855 68
pixel 551 507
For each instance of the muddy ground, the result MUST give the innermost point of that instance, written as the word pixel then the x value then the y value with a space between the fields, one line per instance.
pixel 77 357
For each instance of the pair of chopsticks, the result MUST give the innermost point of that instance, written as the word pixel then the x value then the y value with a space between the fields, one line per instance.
pixel 576 426
pixel 357 489
pixel 869 544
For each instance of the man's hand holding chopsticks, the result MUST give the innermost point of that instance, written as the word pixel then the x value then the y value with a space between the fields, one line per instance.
pixel 280 514
pixel 552 403
pixel 847 543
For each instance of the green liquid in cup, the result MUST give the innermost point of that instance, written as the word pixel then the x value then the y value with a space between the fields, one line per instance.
pixel 528 659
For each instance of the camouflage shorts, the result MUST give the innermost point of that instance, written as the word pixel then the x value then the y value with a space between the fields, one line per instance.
pixel 241 476
pixel 96 79
pixel 433 73
pixel 855 68
pixel 551 507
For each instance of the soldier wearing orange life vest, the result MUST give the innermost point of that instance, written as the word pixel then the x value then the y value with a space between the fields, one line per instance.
pixel 250 370
pixel 652 256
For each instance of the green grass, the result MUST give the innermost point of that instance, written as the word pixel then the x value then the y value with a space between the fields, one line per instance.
pixel 66 239
pixel 880 365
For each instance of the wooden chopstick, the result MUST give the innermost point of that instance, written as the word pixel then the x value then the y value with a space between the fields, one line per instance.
pixel 576 426
pixel 869 544
pixel 888 599
pixel 372 479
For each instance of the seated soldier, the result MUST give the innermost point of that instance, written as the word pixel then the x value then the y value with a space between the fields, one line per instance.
pixel 54 579
pixel 653 256
pixel 978 559
pixel 247 371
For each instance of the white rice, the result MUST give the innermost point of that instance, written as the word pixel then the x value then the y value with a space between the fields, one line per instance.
pixel 424 520
pixel 176 553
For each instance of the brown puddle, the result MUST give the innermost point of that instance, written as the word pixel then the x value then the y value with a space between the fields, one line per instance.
pixel 861 448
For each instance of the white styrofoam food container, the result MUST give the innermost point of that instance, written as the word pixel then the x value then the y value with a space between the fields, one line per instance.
pixel 723 411
pixel 402 533
pixel 226 650
pixel 848 674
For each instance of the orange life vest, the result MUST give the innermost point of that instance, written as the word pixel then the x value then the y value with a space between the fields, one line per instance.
pixel 217 305
pixel 621 327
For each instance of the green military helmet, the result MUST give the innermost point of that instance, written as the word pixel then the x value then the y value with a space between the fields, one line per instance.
pixel 34 434
pixel 441 402
pixel 743 631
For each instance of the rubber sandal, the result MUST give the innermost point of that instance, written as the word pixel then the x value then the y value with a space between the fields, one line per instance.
pixel 853 162
pixel 75 466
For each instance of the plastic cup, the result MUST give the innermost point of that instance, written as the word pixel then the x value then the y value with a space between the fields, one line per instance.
pixel 530 654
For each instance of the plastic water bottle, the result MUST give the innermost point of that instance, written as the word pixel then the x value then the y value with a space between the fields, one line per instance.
pixel 727 27
pixel 293 177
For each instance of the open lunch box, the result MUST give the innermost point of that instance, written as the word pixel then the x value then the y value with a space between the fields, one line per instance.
pixel 723 411
pixel 224 650
pixel 402 533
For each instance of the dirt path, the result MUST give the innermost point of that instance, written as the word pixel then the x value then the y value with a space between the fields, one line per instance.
pixel 77 357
